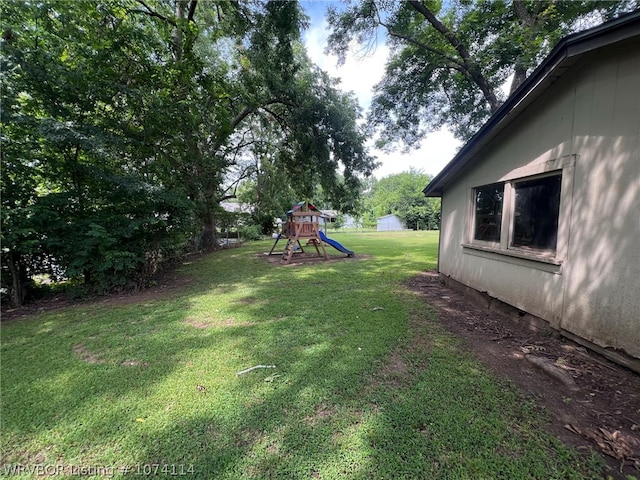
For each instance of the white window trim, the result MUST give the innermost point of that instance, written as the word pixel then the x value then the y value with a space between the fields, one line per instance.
pixel 564 166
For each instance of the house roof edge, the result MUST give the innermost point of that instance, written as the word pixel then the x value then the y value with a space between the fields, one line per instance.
pixel 565 52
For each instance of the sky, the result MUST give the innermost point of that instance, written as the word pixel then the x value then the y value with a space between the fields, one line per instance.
pixel 359 74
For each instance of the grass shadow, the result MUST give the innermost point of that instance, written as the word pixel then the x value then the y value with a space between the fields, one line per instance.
pixel 155 383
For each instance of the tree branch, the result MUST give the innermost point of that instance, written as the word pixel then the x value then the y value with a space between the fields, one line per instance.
pixel 415 42
pixel 152 13
pixel 528 21
pixel 226 197
pixel 192 10
pixel 278 118
pixel 456 63
pixel 248 110
pixel 470 66
pixel 244 113
pixel 245 173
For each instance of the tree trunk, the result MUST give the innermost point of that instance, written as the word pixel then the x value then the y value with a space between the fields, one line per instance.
pixel 18 292
pixel 180 8
pixel 528 21
pixel 470 67
pixel 519 76
pixel 208 235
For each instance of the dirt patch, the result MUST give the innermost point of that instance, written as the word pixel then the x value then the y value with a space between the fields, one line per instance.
pixel 395 372
pixel 199 324
pixel 81 351
pixel 601 411
pixel 209 322
pixel 134 363
pixel 308 259
pixel 165 285
pixel 322 412
pixel 252 301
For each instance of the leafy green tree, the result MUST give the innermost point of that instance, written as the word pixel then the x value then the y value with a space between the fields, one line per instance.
pixel 338 222
pixel 127 122
pixel 449 59
pixel 275 89
pixel 306 145
pixel 401 194
pixel 79 197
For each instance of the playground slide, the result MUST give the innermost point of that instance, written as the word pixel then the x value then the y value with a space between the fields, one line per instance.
pixel 335 244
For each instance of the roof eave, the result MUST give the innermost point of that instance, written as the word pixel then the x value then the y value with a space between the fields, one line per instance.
pixel 546 74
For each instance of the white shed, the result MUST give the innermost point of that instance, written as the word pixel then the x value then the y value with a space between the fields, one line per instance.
pixel 390 223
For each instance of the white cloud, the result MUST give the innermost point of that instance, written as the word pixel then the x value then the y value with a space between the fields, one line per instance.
pixel 359 74
pixel 436 150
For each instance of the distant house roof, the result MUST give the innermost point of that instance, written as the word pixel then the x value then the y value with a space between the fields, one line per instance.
pixel 565 54
pixel 388 216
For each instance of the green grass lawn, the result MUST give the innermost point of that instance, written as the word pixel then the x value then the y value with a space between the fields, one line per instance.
pixel 366 383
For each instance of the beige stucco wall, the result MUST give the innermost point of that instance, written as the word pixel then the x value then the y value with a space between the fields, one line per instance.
pixel 589 120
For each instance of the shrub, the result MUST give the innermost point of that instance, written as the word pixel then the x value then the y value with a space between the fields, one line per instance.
pixel 251 232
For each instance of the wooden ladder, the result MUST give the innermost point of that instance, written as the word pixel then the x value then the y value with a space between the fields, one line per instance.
pixel 289 249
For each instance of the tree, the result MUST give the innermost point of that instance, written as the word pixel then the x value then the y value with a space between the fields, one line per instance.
pixel 80 196
pixel 126 123
pixel 401 194
pixel 273 86
pixel 448 60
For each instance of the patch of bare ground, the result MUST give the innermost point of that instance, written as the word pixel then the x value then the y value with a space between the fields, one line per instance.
pixel 308 259
pixel 593 403
pixel 209 322
pixel 134 363
pixel 395 372
pixel 321 412
pixel 405 360
pixel 197 323
pixel 83 353
pixel 398 371
pixel 166 284
pixel 252 301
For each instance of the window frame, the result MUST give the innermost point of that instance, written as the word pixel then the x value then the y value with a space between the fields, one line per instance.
pixel 563 167
pixel 548 252
pixel 472 235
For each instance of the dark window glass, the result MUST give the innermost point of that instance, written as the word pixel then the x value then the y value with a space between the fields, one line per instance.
pixel 488 217
pixel 536 213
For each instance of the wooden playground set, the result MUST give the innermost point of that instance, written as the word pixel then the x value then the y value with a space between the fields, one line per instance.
pixel 303 223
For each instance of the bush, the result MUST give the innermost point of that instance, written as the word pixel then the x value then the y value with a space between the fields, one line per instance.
pixel 251 232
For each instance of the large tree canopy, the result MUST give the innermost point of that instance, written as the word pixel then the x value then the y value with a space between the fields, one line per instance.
pixel 125 123
pixel 448 60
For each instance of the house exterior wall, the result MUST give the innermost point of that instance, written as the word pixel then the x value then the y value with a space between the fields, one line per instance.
pixel 587 125
pixel 390 223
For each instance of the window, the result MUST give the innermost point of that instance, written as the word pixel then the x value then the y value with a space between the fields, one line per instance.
pixel 537 205
pixel 488 212
pixel 520 217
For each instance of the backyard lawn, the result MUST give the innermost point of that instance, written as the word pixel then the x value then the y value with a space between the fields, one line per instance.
pixel 364 382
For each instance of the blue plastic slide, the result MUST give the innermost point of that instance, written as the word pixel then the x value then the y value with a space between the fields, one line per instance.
pixel 335 244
